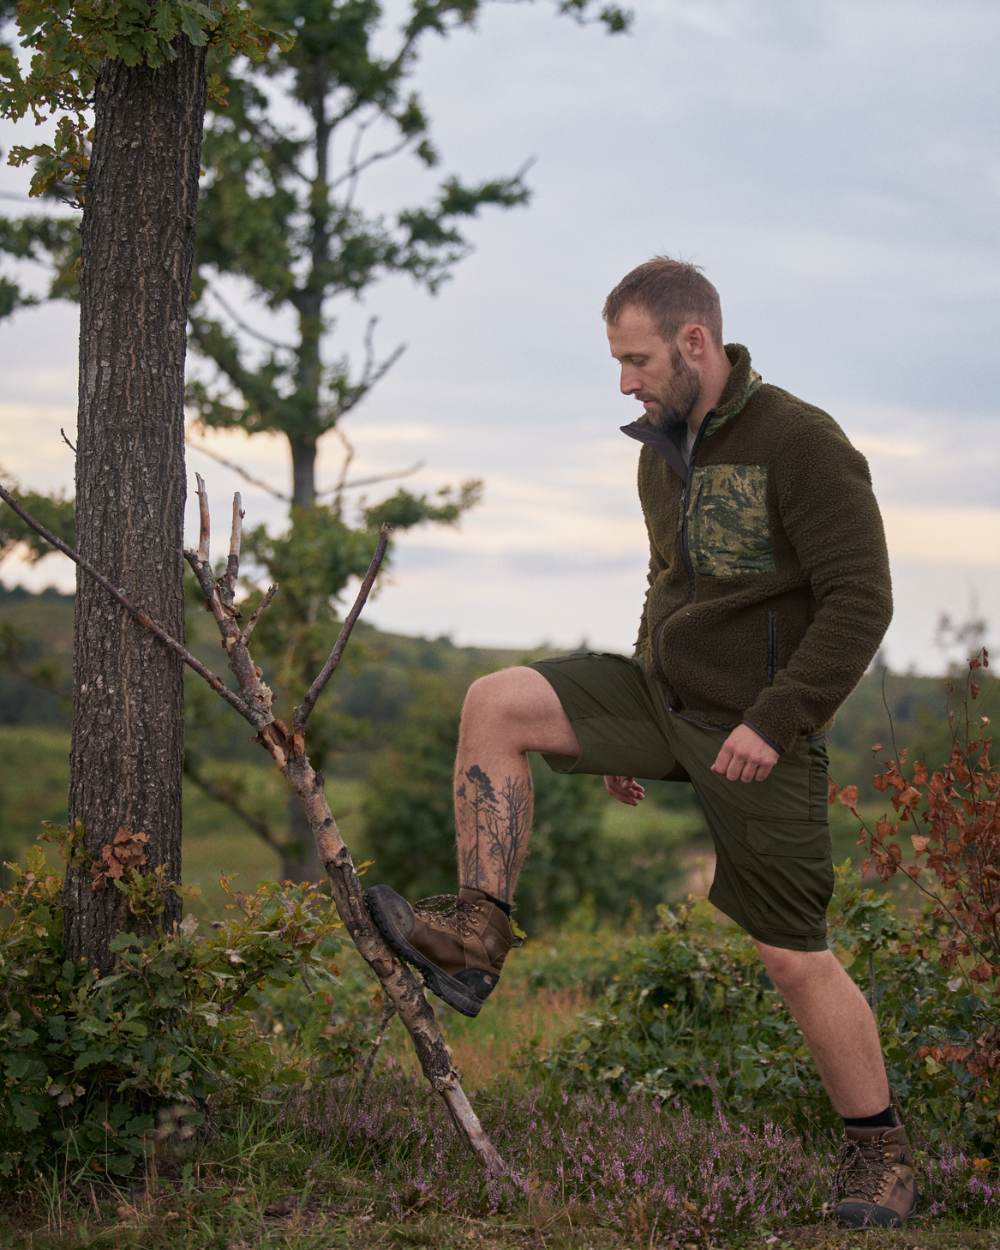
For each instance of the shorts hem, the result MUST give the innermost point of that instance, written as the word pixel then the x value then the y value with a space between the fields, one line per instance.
pixel 784 941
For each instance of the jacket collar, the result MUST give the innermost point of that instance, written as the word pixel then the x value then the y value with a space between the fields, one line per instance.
pixel 741 384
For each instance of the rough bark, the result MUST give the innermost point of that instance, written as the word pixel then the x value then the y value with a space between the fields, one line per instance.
pixel 137 238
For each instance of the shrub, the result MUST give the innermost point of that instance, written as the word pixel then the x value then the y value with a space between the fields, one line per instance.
pixel 93 1068
pixel 952 815
pixel 690 1016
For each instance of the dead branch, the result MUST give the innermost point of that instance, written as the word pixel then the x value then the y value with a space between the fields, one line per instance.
pixel 304 710
pixel 243 325
pixel 258 612
pixel 144 619
pixel 388 1011
pixel 288 750
pixel 391 476
pixel 235 538
pixel 65 439
pixel 236 468
pixel 338 490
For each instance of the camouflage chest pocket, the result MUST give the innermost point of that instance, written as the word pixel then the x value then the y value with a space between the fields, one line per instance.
pixel 728 531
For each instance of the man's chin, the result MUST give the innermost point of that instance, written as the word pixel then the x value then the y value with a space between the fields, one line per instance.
pixel 666 420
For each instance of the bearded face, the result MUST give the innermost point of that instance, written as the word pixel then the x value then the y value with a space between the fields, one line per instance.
pixel 669 405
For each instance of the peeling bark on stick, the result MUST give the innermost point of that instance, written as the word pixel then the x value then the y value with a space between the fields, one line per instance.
pixel 288 750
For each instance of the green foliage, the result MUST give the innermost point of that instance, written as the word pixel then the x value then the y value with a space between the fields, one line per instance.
pixel 94 1069
pixel 69 42
pixel 280 206
pixel 690 1016
pixel 55 512
pixel 54 242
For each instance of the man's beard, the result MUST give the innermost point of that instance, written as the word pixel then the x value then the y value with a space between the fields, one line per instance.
pixel 676 404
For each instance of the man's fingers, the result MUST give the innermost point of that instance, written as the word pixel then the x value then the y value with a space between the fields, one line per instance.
pixel 624 789
pixel 721 764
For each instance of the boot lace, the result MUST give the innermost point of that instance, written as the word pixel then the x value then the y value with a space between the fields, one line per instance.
pixel 861 1170
pixel 456 912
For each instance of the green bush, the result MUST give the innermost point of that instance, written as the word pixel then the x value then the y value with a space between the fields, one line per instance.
pixel 691 1016
pixel 94 1069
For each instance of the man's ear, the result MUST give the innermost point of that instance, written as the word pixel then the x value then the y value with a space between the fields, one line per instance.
pixel 694 341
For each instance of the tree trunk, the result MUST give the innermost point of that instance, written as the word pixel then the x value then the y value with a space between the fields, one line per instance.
pixel 137 238
pixel 303 471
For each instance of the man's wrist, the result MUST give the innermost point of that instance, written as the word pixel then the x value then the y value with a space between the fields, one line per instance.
pixel 763 736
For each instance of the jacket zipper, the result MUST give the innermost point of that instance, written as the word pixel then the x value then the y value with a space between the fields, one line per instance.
pixel 685 552
pixel 772 645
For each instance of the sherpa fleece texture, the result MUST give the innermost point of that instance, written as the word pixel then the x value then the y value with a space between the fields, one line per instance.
pixel 769 588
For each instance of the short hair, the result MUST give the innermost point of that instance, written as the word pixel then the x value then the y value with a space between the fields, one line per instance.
pixel 673 292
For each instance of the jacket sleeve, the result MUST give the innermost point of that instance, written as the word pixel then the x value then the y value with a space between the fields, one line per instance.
pixel 829 513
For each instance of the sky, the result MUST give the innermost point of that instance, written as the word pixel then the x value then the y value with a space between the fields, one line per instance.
pixel 834 167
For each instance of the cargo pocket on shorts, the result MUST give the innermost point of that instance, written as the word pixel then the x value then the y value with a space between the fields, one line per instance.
pixel 788 876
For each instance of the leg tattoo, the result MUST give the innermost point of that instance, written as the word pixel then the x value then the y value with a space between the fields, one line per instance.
pixel 493 830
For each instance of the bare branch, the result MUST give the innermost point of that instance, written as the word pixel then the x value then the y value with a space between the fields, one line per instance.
pixel 356 168
pixel 378 477
pixel 371 373
pixel 205 534
pixel 235 536
pixel 66 440
pixel 228 798
pixel 304 710
pixel 388 1011
pixel 246 327
pixel 247 477
pixel 220 604
pixel 258 612
pixel 338 490
pixel 143 617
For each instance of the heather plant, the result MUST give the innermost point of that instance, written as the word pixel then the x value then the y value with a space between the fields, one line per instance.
pixel 655 1171
pixel 96 1070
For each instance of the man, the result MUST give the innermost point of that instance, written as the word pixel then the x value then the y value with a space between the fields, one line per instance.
pixel 768 594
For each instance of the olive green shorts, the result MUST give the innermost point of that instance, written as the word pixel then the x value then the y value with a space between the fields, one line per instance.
pixel 774 872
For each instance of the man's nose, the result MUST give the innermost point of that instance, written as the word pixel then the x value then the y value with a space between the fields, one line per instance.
pixel 629 383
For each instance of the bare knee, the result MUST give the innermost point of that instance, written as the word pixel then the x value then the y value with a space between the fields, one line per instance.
pixel 789 970
pixel 518 706
pixel 500 698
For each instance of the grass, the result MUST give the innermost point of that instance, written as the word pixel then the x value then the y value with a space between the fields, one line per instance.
pixel 329 1167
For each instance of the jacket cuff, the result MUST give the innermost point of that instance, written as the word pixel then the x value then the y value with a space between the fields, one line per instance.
pixel 775 735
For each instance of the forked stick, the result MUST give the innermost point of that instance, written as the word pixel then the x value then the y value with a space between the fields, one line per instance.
pixel 287 748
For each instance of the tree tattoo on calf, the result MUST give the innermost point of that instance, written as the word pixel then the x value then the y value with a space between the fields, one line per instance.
pixel 499 822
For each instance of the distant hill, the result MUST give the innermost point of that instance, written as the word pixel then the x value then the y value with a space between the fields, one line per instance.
pixel 380 678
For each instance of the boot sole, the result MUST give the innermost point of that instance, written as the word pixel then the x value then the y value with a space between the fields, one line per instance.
pixel 863 1215
pixel 388 910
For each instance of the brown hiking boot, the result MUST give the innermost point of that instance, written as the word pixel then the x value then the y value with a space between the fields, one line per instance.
pixel 874 1184
pixel 458 944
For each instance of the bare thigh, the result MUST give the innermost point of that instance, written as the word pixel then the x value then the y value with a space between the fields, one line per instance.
pixel 518 708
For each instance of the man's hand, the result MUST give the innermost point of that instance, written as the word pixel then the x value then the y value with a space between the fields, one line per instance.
pixel 625 789
pixel 744 756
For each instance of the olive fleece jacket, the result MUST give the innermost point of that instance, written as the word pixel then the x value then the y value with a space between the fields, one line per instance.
pixel 768 589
